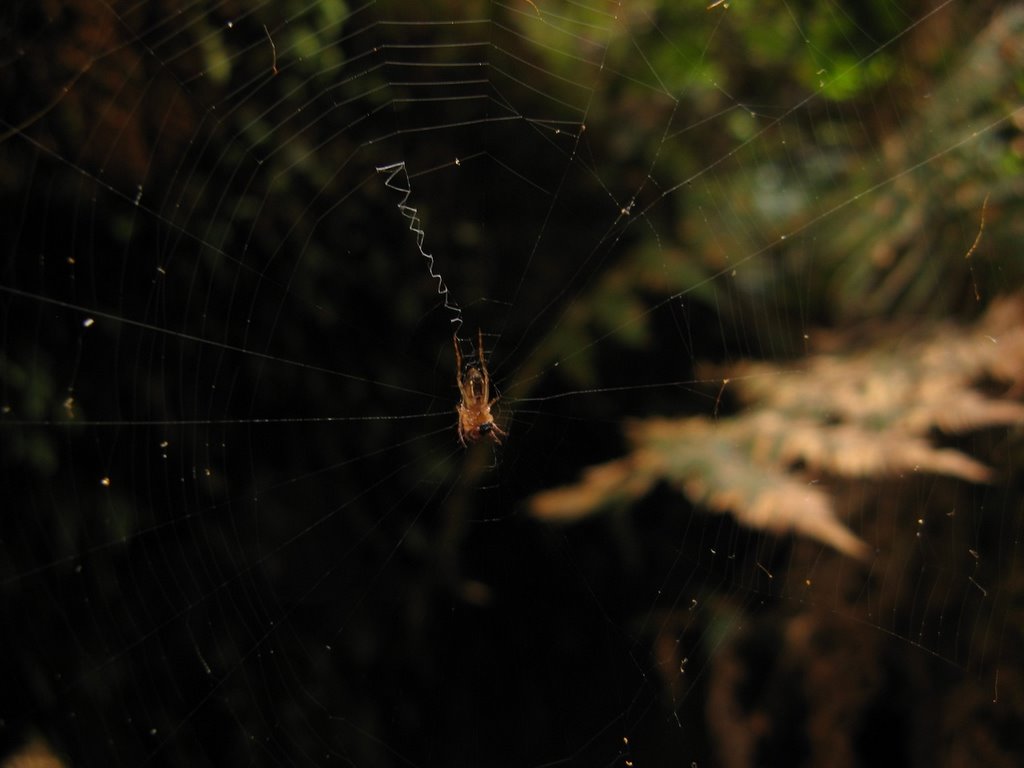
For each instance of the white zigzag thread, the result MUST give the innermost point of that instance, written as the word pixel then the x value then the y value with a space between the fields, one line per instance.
pixel 409 212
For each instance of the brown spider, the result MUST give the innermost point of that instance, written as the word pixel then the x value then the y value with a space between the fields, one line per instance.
pixel 475 420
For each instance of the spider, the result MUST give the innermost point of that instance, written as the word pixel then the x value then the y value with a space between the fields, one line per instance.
pixel 475 420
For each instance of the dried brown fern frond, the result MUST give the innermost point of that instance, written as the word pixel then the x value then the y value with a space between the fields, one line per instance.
pixel 864 414
pixel 912 385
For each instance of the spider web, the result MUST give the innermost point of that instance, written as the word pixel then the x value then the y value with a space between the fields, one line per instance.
pixel 238 525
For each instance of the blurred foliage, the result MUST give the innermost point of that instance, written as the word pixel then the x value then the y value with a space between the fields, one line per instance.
pixel 856 413
pixel 872 186
pixel 29 393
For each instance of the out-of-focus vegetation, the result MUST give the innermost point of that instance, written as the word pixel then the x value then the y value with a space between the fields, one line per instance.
pixel 882 163
pixel 861 413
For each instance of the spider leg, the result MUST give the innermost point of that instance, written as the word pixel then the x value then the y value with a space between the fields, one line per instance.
pixel 483 365
pixel 458 360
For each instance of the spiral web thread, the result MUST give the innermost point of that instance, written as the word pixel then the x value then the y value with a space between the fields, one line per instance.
pixel 398 171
